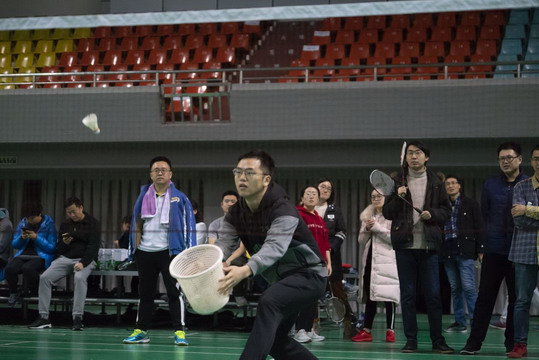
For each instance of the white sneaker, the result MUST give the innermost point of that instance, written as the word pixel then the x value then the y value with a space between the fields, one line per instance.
pixel 302 337
pixel 315 337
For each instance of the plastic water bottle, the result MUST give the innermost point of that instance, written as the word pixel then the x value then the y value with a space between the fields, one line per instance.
pixel 107 259
pixel 101 259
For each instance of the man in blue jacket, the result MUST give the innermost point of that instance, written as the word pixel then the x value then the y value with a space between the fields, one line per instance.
pixel 163 225
pixel 496 202
pixel 35 240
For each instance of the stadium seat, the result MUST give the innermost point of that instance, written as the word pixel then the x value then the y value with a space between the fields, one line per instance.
pixel 97 77
pixel 323 72
pixel 134 57
pixel 490 32
pixel 508 67
pixel 345 37
pixel 157 56
pixel 534 30
pixel 165 30
pixel 106 44
pixel 376 22
pixel 440 33
pixel 120 76
pixel 240 41
pixel 50 80
pixel 202 55
pixel 112 57
pixel 353 23
pixel 401 60
pixel 298 63
pixel 480 68
pixel 384 50
pixel 191 71
pixel 410 49
pixel 143 30
pixel 466 33
pixel 423 21
pixel 64 45
pixel 179 56
pixel 212 65
pixel 230 28
pixel 360 51
pixel 186 29
pixel 5 61
pixel 434 48
pixel 103 32
pixel 21 35
pixel 22 47
pixel 349 72
pixel 519 17
pixel 486 47
pixel 122 31
pixel 194 41
pixel 335 51
pixel 392 36
pixel 417 34
pixel 375 61
pixel 447 19
pixel 165 67
pixel 128 44
pixel 25 79
pixel 5 47
pixel 393 78
pixel 172 42
pixel 319 38
pixel 470 18
pixel 310 52
pixel 89 58
pixel 331 24
pixel 515 32
pixel 58 34
pixel 532 67
pixel 207 28
pixel 142 77
pixel 495 18
pixel 511 47
pixel 525 75
pixel 400 22
pixel 533 46
pixel 150 43
pixel 40 34
pixel 226 55
pixel 368 36
pixel 454 59
pixel 217 40
pixel 6 79
pixel 424 60
pixel 46 59
pixel 286 79
pixel 461 48
pixel 73 78
pixel 5 35
pixel 24 61
pixel 81 33
pixel 44 46
pixel 85 45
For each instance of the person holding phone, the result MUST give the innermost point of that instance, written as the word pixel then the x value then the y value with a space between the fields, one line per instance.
pixel 35 240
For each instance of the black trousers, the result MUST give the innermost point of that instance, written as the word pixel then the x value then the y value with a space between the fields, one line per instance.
pixel 30 269
pixel 277 310
pixel 149 266
pixel 494 269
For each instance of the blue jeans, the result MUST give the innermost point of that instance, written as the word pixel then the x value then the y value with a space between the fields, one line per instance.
pixel 414 264
pixel 525 283
pixel 461 275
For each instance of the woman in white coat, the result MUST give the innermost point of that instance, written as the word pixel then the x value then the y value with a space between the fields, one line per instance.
pixel 380 281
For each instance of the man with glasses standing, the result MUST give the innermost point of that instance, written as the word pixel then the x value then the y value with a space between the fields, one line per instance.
pixel 524 252
pixel 163 225
pixel 283 251
pixel 496 202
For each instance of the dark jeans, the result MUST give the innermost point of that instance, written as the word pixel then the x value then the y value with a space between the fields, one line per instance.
pixel 494 269
pixel 277 310
pixel 526 281
pixel 149 265
pixel 30 269
pixel 422 265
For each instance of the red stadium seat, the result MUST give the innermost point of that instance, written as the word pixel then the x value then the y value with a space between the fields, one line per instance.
pixel 179 56
pixel 142 77
pixel 331 24
pixel 230 28
pixel 85 45
pixel 217 41
pixel 452 59
pixel 376 22
pixel 172 42
pixel 121 69
pixel 335 51
pixel 345 37
pixel 447 19
pixel 106 44
pixel 128 44
pixel 410 49
pixel 240 41
pixel 466 33
pixel 68 59
pixel 102 32
pixel 194 41
pixel 353 23
pixel 150 43
pixel 324 72
pixel 89 58
pixel 165 67
pixel 287 79
pixel 212 65
pixel 188 75
pixel 50 78
pixel 384 50
pixel 423 21
pixel 298 63
pixel 368 36
pixel 461 48
pixel 134 57
pixel 143 30
pixel 98 77
pixel 207 28
pixel 470 18
pixel 186 29
pixel 393 78
pixel 73 78
pixel 375 61
pixel 434 48
pixel 320 38
pixel 122 31
pixel 157 56
pixel 417 34
pixel 203 55
pixel 487 48
pixel 495 18
pixel 310 52
pixel 400 22
pixel 490 32
pixel 440 33
pixel 360 51
pixel 401 60
pixel 423 60
pixel 226 55
pixel 392 36
pixel 112 57
pixel 251 27
pixel 349 72
pixel 165 30
pixel 480 68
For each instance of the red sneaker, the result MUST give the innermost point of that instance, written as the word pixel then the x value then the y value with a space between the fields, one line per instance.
pixel 362 336
pixel 519 350
pixel 390 335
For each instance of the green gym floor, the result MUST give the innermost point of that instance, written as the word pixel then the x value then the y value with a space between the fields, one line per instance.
pixel 105 343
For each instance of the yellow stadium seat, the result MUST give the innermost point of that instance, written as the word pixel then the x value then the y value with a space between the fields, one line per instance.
pixel 7 87
pixel 5 35
pixel 22 47
pixel 5 47
pixel 46 59
pixel 65 45
pixel 25 79
pixel 81 33
pixel 44 46
pixel 61 34
pixel 6 79
pixel 21 35
pixel 5 61
pixel 40 34
pixel 24 61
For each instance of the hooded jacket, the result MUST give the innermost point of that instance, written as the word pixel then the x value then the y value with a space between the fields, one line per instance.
pixel 317 226
pixel 278 240
pixel 6 232
pixel 45 242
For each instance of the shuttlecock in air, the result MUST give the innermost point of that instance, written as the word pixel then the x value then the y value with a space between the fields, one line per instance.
pixel 90 121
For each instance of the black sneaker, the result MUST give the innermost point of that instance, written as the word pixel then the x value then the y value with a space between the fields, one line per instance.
pixel 470 350
pixel 442 348
pixel 455 328
pixel 77 324
pixel 40 323
pixel 410 347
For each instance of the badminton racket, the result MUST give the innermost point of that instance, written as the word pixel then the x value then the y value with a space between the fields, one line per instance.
pixel 334 307
pixel 385 185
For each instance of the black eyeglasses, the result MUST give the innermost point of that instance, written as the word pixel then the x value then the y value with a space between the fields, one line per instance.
pixel 507 158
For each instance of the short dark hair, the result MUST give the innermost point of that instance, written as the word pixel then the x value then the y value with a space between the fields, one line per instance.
pixel 332 196
pixel 266 162
pixel 126 219
pixel 302 192
pixel 536 148
pixel 453 177
pixel 229 193
pixel 160 158
pixel 510 145
pixel 198 215
pixel 421 146
pixel 72 201
pixel 32 209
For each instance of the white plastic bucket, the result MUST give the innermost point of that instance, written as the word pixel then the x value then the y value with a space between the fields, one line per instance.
pixel 198 270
